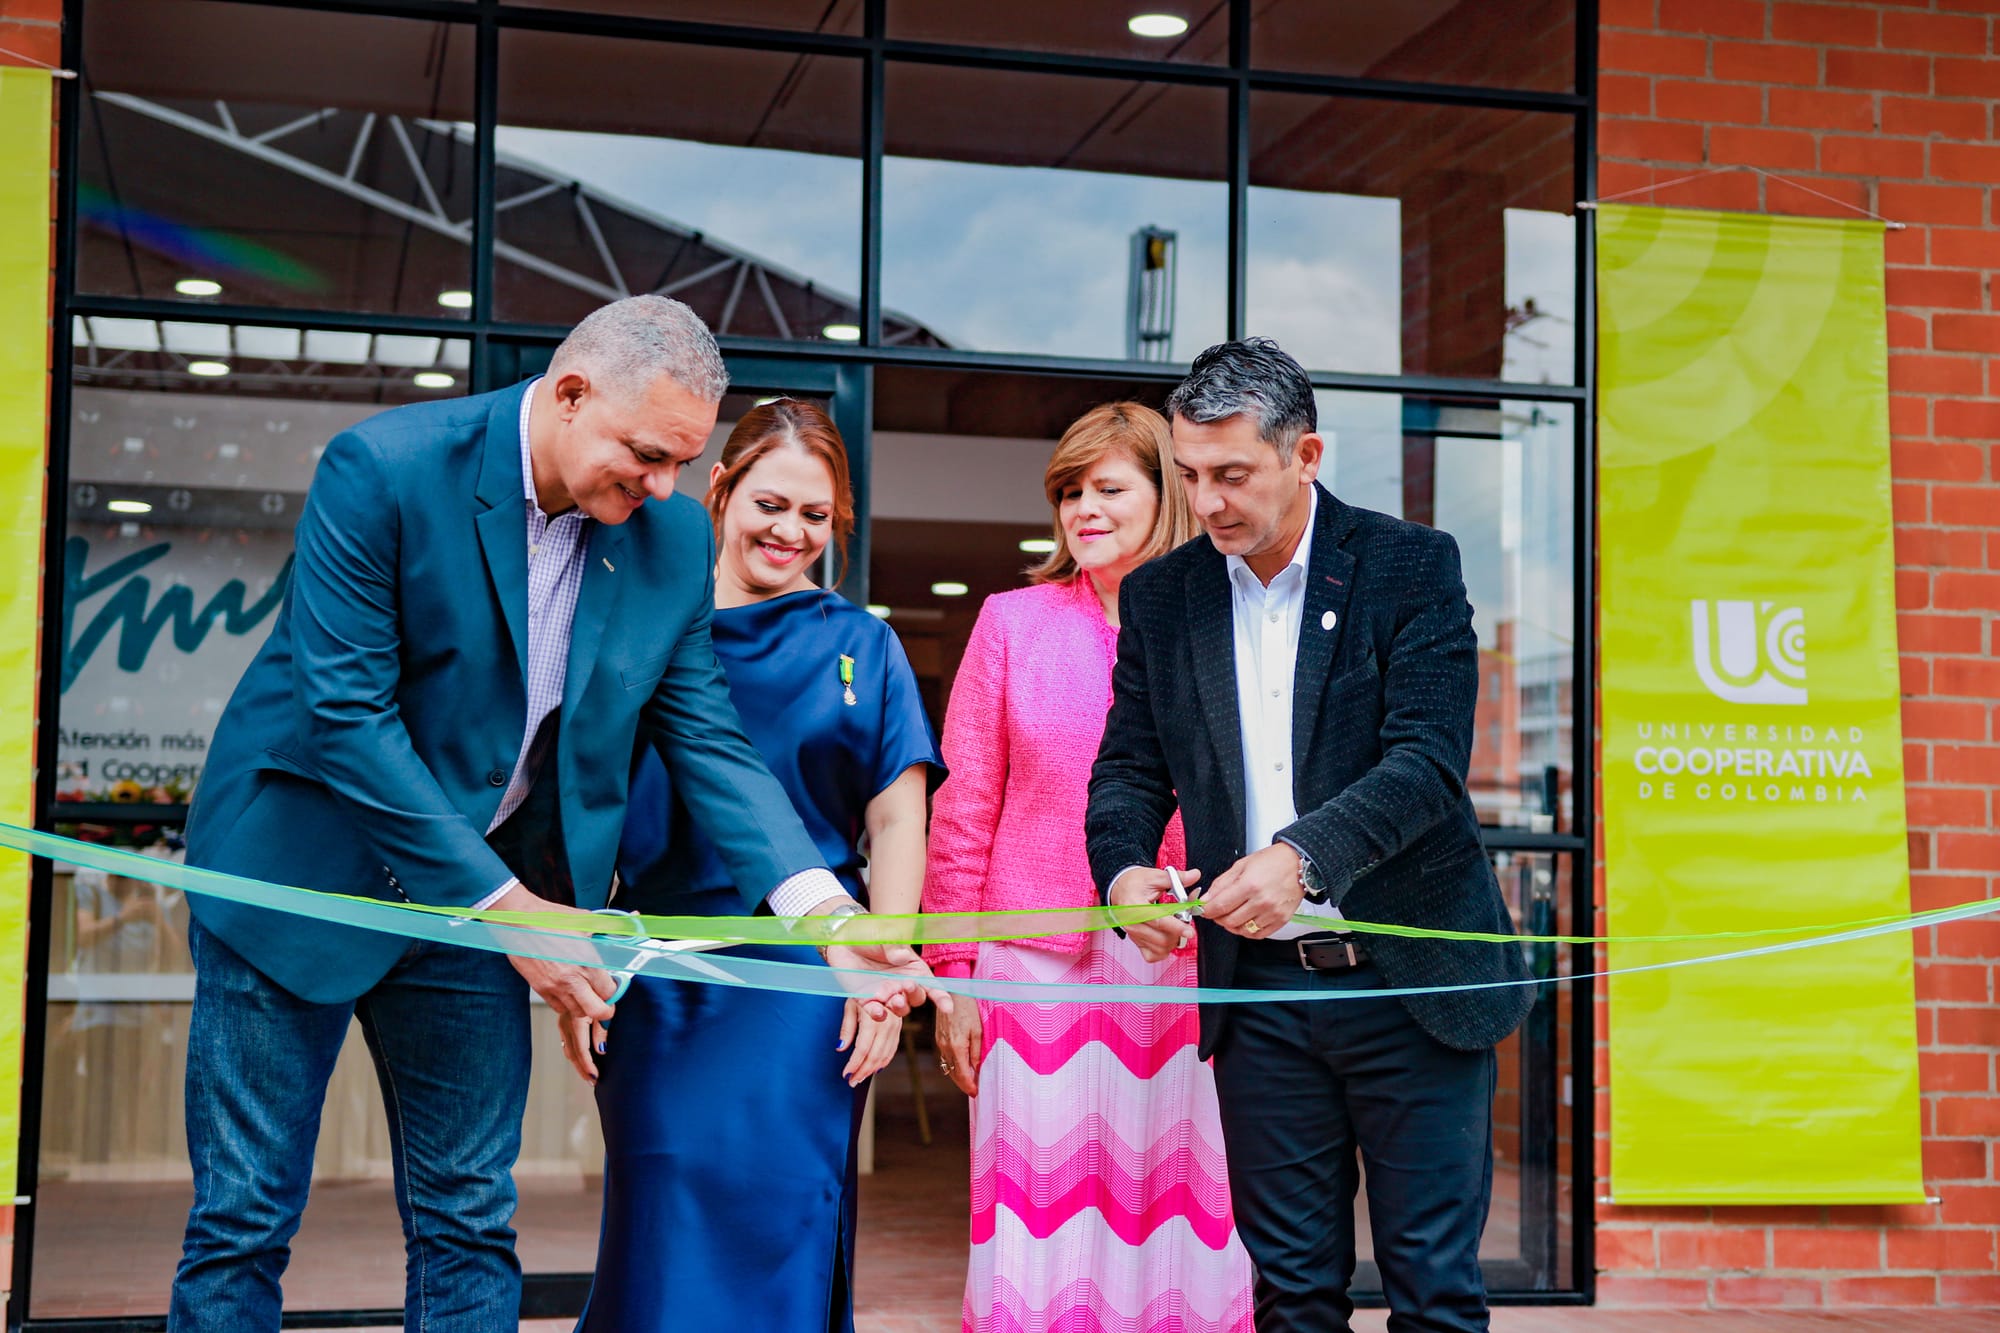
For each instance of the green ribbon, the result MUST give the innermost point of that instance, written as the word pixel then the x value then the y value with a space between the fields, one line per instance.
pixel 610 942
pixel 871 929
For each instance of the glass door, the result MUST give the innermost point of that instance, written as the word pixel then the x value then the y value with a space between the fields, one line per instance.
pixel 178 520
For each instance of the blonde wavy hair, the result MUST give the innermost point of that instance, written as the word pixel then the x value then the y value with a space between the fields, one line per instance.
pixel 1140 434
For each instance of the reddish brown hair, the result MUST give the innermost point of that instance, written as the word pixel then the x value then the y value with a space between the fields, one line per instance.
pixel 804 426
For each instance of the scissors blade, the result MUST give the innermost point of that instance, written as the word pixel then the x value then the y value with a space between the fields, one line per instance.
pixel 1179 890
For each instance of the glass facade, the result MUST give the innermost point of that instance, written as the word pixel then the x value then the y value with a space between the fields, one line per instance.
pixel 1011 202
pixel 960 226
pixel 289 158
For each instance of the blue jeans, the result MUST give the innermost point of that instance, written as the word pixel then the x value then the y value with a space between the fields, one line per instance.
pixel 448 1029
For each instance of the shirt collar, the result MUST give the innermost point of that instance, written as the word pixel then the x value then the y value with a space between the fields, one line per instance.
pixel 527 459
pixel 1301 560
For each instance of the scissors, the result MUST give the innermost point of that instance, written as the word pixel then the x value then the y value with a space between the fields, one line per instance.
pixel 646 943
pixel 1179 890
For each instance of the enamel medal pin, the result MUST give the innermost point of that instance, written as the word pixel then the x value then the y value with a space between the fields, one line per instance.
pixel 847 680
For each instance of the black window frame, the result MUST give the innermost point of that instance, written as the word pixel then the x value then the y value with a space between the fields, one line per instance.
pixel 497 344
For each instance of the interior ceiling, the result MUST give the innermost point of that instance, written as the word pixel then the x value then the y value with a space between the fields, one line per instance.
pixel 907 555
pixel 996 403
pixel 840 17
pixel 1349 37
pixel 253 53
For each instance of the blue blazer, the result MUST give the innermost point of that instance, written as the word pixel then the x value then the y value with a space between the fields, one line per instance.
pixel 368 746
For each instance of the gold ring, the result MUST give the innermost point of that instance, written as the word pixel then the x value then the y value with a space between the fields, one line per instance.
pixel 1251 927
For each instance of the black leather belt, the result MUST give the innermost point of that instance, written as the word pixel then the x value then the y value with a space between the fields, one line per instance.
pixel 1314 953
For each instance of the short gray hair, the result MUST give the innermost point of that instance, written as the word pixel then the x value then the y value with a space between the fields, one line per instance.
pixel 1254 378
pixel 628 344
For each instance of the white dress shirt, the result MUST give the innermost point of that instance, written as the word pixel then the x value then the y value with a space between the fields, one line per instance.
pixel 1267 649
pixel 558 550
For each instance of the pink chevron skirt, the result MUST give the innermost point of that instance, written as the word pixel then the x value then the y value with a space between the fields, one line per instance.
pixel 1100 1196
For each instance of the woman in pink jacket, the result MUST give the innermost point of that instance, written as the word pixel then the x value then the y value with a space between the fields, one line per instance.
pixel 1100 1199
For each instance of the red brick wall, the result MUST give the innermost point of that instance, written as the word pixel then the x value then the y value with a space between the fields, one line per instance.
pixel 32 31
pixel 1890 106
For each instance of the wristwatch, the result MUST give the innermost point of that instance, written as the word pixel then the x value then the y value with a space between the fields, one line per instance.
pixel 1311 881
pixel 836 918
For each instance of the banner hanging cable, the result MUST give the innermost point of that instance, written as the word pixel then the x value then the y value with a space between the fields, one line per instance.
pixel 628 945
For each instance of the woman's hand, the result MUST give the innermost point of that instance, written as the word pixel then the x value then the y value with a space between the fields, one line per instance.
pixel 874 1040
pixel 581 1036
pixel 961 1044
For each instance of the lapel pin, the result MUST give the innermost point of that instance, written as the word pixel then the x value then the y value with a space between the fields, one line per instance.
pixel 1328 620
pixel 847 680
pixel 608 565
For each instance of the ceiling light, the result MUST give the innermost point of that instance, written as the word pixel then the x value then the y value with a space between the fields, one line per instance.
pixel 949 589
pixel 406 349
pixel 843 333
pixel 208 340
pixel 208 369
pixel 270 344
pixel 198 287
pixel 455 299
pixel 124 335
pixel 1038 545
pixel 339 346
pixel 877 610
pixel 432 379
pixel 1157 25
pixel 129 507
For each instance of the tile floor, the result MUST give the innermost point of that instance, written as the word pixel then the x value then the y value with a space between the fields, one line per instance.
pixel 909 1265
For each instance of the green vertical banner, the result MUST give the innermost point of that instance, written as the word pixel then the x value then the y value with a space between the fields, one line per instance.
pixel 1752 738
pixel 24 441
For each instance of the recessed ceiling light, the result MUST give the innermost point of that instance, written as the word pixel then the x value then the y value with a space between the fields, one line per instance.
pixel 843 333
pixel 198 287
pixel 877 610
pixel 432 379
pixel 208 369
pixel 1157 25
pixel 949 589
pixel 1038 545
pixel 129 507
pixel 455 299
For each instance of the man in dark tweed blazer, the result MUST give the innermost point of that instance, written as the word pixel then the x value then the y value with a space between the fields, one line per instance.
pixel 1301 680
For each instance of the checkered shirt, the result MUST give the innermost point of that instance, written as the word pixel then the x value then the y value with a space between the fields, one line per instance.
pixel 557 551
pixel 557 548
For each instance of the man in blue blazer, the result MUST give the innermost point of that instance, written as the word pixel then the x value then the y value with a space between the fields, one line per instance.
pixel 493 599
pixel 1300 680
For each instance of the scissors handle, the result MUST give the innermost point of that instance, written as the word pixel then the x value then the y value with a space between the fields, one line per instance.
pixel 624 979
pixel 1179 890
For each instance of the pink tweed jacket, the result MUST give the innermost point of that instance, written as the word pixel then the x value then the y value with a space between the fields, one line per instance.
pixel 1020 733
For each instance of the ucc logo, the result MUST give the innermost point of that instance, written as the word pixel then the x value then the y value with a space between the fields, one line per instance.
pixel 1751 652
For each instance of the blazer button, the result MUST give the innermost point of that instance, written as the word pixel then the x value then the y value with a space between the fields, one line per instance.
pixel 498 777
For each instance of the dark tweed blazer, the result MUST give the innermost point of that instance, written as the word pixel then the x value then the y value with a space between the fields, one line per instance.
pixel 1381 739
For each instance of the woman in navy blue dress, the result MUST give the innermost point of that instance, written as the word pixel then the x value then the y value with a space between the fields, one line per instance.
pixel 729 1114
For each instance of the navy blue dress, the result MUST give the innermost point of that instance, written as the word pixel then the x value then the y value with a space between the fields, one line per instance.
pixel 728 1131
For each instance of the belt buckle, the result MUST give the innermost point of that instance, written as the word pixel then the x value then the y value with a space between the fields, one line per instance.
pixel 1344 940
